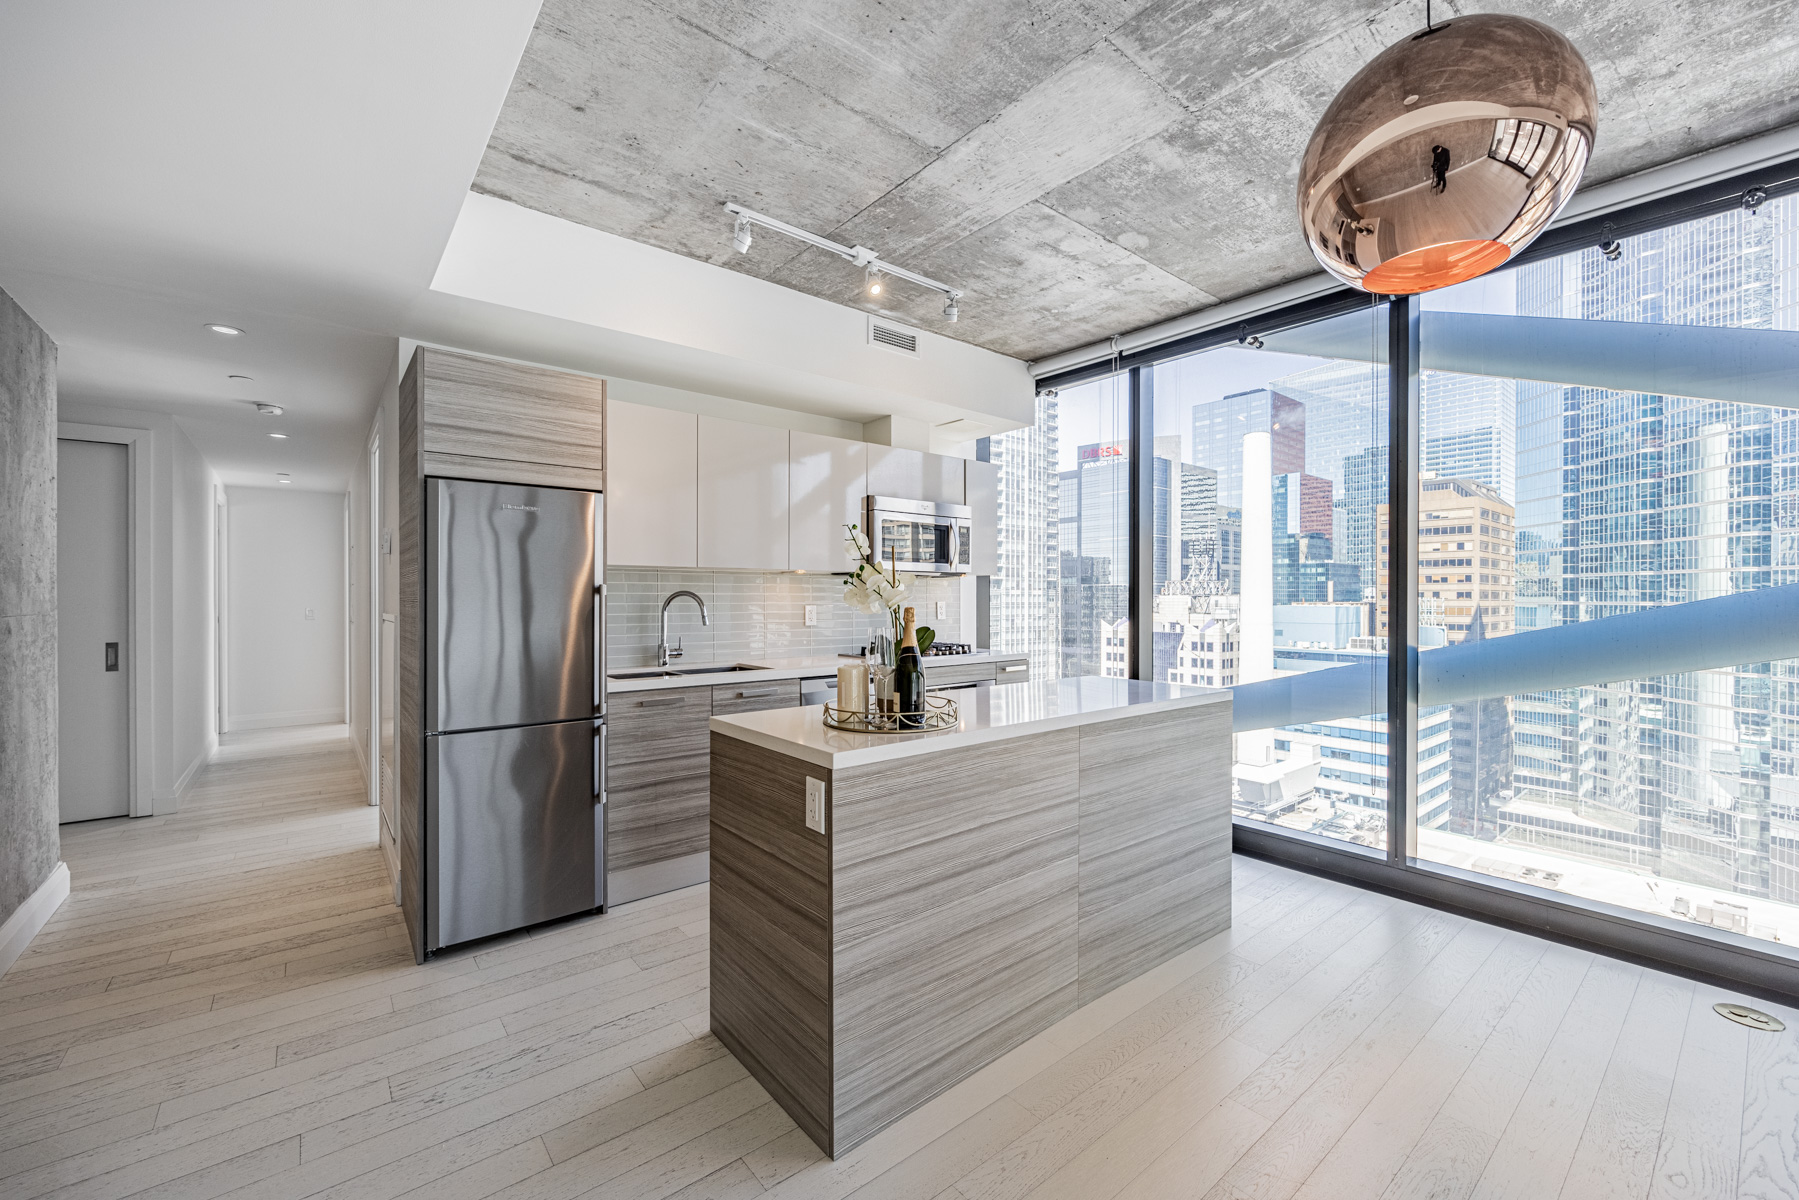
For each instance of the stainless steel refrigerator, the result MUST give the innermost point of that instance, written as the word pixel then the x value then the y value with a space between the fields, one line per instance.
pixel 515 719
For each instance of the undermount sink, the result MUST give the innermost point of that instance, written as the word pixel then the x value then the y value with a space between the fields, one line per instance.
pixel 675 672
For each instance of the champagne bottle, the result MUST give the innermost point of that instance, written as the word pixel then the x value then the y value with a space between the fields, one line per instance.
pixel 908 678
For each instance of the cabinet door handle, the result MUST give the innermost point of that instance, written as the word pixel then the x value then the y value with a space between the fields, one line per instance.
pixel 658 703
pixel 1015 667
pixel 758 695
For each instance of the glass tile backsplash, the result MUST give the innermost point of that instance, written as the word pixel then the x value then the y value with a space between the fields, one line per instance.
pixel 753 616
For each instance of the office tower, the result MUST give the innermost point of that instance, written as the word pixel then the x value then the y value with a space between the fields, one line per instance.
pixel 1345 413
pixel 1219 427
pixel 1305 567
pixel 1025 594
pixel 1193 506
pixel 1464 558
pixel 1629 501
pixel 1469 428
pixel 1364 492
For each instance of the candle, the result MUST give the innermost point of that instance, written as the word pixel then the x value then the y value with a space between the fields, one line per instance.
pixel 852 688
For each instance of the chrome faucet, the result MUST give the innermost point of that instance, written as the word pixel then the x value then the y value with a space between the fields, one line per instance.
pixel 663 653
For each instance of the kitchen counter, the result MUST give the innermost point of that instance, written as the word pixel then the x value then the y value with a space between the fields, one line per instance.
pixel 987 714
pixel 797 667
pixel 889 914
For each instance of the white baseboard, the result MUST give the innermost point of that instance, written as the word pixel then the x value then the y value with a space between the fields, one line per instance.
pixel 168 802
pixel 32 915
pixel 315 716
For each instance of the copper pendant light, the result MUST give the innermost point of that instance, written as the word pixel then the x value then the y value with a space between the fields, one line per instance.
pixel 1447 154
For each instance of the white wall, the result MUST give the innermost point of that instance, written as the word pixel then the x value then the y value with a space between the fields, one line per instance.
pixel 180 663
pixel 386 583
pixel 193 645
pixel 285 556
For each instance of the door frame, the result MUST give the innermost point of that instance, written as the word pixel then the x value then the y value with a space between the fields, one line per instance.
pixel 374 618
pixel 140 563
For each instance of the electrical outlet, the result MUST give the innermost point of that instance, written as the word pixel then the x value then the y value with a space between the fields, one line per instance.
pixel 310 615
pixel 942 609
pixel 811 615
pixel 815 804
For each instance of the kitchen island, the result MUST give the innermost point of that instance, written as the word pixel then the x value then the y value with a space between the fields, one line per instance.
pixel 969 887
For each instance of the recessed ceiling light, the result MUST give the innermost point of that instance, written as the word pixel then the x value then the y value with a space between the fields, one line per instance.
pixel 277 435
pixel 227 330
pixel 283 477
pixel 245 378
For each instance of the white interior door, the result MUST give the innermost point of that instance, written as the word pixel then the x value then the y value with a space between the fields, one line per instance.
pixel 93 614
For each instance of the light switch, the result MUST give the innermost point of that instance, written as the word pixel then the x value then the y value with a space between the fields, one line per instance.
pixel 309 615
pixel 942 609
pixel 811 615
pixel 815 804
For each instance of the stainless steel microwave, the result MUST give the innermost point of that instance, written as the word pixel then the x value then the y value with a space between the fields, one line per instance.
pixel 917 535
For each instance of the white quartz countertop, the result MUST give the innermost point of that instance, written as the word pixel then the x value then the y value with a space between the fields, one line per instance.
pixel 987 715
pixel 804 667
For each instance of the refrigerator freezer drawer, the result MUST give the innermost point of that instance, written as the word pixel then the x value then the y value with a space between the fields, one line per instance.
pixel 509 827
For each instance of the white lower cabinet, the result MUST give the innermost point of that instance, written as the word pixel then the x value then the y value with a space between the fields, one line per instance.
pixel 743 495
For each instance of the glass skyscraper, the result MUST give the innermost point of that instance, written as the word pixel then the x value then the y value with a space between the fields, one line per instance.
pixel 1628 501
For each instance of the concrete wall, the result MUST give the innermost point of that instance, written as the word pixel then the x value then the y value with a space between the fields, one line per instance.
pixel 285 558
pixel 182 664
pixel 29 843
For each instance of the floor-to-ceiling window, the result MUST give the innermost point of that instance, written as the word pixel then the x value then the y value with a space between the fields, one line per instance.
pixel 1062 593
pixel 1610 486
pixel 1270 468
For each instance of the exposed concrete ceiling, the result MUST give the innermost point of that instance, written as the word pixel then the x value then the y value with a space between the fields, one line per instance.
pixel 1078 168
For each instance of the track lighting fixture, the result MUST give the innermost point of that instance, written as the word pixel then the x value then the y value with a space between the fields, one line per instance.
pixel 1609 246
pixel 269 410
pixel 1754 198
pixel 1246 338
pixel 874 269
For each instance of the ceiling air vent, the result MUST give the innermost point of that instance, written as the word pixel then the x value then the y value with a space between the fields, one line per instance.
pixel 892 337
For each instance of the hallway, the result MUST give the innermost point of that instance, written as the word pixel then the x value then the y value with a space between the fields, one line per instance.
pixel 226 1007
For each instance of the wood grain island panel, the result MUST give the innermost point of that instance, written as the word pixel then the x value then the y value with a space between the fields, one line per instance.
pixel 970 888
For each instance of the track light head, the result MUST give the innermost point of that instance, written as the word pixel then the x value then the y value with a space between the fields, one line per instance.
pixel 742 239
pixel 950 310
pixel 1608 244
pixel 871 280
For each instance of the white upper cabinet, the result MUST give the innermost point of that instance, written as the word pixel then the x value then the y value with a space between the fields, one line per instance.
pixel 983 503
pixel 829 477
pixel 915 475
pixel 652 486
pixel 742 495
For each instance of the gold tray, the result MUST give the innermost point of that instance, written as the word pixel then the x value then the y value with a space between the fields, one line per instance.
pixel 939 713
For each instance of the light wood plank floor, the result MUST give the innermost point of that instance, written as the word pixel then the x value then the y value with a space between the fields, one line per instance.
pixel 226 1007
